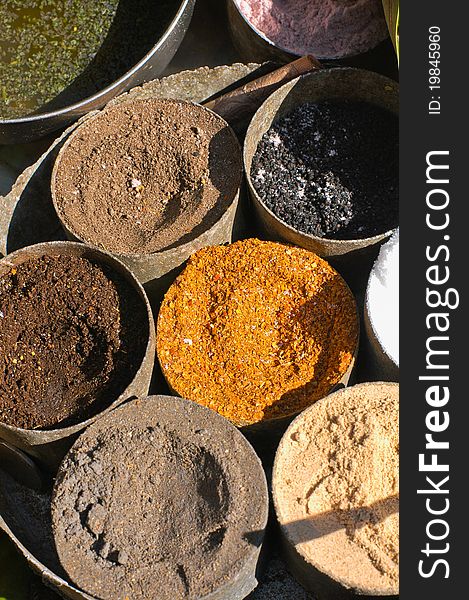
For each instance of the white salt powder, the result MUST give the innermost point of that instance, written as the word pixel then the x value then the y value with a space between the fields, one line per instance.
pixel 383 297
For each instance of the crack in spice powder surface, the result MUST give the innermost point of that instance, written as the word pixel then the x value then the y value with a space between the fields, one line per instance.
pixel 256 330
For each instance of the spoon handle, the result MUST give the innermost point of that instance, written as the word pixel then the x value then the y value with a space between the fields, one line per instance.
pixel 238 105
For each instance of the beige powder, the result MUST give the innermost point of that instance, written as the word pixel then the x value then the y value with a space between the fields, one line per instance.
pixel 336 487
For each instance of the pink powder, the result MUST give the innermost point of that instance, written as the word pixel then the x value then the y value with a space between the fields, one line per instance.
pixel 325 28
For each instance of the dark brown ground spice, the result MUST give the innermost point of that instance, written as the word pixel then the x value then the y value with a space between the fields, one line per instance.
pixel 72 336
pixel 146 175
pixel 256 330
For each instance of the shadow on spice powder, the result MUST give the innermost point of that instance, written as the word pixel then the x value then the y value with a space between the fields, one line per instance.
pixel 224 173
pixel 316 526
pixel 332 346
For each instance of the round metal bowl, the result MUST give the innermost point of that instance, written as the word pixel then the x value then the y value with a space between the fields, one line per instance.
pixel 26 129
pixel 152 269
pixel 253 44
pixel 342 83
pixel 48 446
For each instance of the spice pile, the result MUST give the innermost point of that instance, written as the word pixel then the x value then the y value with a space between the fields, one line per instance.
pixel 331 169
pixel 336 487
pixel 148 503
pixel 72 336
pixel 383 298
pixel 325 28
pixel 146 175
pixel 256 330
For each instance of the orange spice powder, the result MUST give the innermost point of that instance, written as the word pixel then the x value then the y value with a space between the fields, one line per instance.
pixel 256 330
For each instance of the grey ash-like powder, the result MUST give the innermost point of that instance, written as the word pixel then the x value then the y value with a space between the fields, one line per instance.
pixel 161 499
pixel 330 169
pixel 278 584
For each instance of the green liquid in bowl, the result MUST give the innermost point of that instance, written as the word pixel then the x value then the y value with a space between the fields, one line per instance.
pixel 44 46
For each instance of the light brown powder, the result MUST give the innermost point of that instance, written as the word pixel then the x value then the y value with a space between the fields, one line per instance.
pixel 336 487
pixel 143 176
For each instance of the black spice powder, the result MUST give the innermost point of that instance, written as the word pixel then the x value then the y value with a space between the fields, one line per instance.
pixel 331 169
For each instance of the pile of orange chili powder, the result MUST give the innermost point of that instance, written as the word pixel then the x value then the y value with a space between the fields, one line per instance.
pixel 256 330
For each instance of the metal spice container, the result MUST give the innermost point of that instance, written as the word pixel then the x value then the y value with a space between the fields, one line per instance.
pixel 27 216
pixel 156 270
pixel 49 446
pixel 35 126
pixel 327 84
pixel 190 422
pixel 357 422
pixel 251 43
pixel 241 294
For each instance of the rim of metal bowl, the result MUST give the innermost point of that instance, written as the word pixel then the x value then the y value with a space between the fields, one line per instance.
pixel 259 32
pixel 89 99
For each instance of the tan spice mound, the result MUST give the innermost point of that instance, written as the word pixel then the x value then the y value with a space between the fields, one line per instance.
pixel 145 175
pixel 336 487
pixel 256 330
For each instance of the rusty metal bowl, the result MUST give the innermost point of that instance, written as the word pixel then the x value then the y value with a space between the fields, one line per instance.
pixel 337 84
